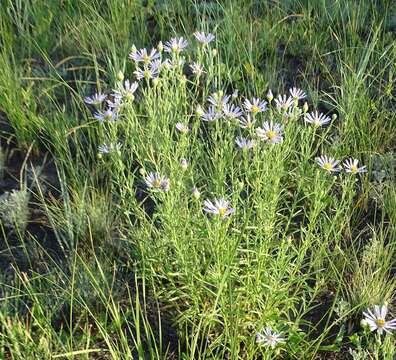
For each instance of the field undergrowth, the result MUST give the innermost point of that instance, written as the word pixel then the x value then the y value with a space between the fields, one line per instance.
pixel 184 179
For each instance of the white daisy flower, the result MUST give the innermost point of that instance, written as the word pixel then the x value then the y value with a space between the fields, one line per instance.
pixel 175 45
pixel 184 129
pixel 203 38
pixel 217 99
pixel 220 207
pixel 143 56
pixel 107 115
pixel 126 91
pixel 106 149
pixel 376 319
pixel 255 106
pixel 197 69
pixel 351 166
pixel 157 183
pixel 269 337
pixel 147 72
pixel 211 115
pixel 283 102
pixel 327 163
pixel 270 132
pixel 245 144
pixel 232 111
pixel 297 94
pixel 95 99
pixel 247 122
pixel 317 119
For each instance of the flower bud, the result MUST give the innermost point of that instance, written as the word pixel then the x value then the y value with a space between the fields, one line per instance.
pixel 160 46
pixel 305 107
pixel 142 171
pixel 133 49
pixel 199 111
pixel 120 76
pixel 214 52
pixel 195 192
pixel 156 81
pixel 334 117
pixel 270 95
pixel 184 164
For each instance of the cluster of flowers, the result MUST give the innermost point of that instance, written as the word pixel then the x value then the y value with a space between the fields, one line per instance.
pixel 374 320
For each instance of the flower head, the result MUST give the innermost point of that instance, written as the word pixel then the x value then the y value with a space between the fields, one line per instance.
pixel 327 163
pixel 147 72
pixel 143 56
pixel 175 45
pixel 126 90
pixel 211 115
pixel 244 143
pixel 255 106
pixel 219 207
pixel 247 122
pixel 297 94
pixel 217 99
pixel 95 99
pixel 317 119
pixel 106 149
pixel 376 319
pixel 184 129
pixel 270 132
pixel 157 183
pixel 232 111
pixel 107 115
pixel 269 337
pixel 351 166
pixel 197 69
pixel 283 102
pixel 203 38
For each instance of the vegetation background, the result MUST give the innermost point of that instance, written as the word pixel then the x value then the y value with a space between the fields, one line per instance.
pixel 94 267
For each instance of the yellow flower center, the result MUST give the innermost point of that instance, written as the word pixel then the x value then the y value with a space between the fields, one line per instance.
pixel 107 116
pixel 327 166
pixel 255 109
pixel 270 134
pixel 222 211
pixel 129 96
pixel 354 169
pixel 156 183
pixel 146 59
pixel 380 323
pixel 147 74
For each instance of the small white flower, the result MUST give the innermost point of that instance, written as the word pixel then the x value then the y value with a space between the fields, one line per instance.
pixel 197 69
pixel 107 115
pixel 283 102
pixel 247 122
pixel 220 207
pixel 269 338
pixel 175 45
pixel 184 129
pixel 95 99
pixel 183 163
pixel 147 72
pixel 143 56
pixel 297 94
pixel 157 183
pixel 126 91
pixel 255 106
pixel 106 149
pixel 376 319
pixel 231 111
pixel 270 132
pixel 244 143
pixel 203 38
pixel 217 99
pixel 351 166
pixel 317 119
pixel 211 115
pixel 327 163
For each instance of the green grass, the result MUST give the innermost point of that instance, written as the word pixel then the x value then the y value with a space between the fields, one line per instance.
pixel 106 269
